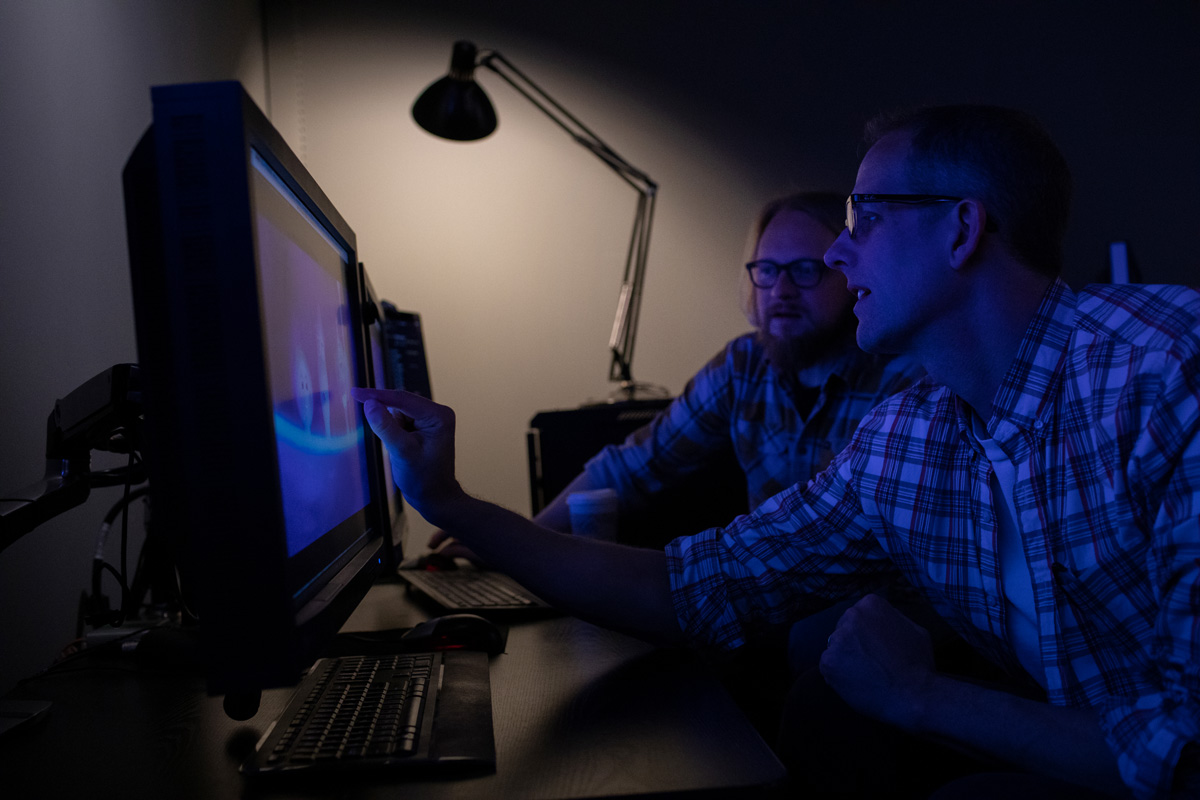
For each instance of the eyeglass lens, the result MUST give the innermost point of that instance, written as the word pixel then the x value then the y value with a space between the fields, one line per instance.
pixel 804 272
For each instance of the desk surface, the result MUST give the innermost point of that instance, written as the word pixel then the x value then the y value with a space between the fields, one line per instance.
pixel 578 711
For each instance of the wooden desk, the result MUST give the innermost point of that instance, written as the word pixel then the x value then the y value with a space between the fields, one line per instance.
pixel 578 711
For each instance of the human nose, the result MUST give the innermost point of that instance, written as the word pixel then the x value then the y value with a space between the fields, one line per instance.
pixel 838 253
pixel 784 285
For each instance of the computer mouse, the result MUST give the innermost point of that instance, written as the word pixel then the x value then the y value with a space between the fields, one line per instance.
pixel 456 632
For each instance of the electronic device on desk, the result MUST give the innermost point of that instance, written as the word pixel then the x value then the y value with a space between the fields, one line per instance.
pixel 407 366
pixel 468 590
pixel 249 330
pixel 560 442
pixel 378 356
pixel 478 591
pixel 446 632
pixel 356 712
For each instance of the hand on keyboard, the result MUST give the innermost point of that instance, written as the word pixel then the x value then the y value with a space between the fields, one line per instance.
pixel 442 543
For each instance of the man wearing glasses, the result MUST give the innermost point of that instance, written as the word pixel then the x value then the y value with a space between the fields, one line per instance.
pixel 786 397
pixel 1041 488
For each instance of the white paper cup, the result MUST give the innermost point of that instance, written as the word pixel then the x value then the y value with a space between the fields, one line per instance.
pixel 594 514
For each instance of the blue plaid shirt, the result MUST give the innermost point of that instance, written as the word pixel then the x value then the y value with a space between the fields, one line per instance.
pixel 1100 415
pixel 738 398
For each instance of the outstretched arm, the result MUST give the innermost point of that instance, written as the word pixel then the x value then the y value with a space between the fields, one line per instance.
pixel 556 516
pixel 619 587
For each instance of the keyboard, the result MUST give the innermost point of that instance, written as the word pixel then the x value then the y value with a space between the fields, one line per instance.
pixel 380 712
pixel 474 590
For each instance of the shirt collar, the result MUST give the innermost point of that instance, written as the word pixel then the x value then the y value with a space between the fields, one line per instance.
pixel 841 370
pixel 848 369
pixel 1024 400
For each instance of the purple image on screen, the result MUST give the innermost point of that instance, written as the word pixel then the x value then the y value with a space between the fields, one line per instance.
pixel 311 363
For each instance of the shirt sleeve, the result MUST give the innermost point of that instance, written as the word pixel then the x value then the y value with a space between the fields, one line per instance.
pixel 692 429
pixel 1149 732
pixel 802 550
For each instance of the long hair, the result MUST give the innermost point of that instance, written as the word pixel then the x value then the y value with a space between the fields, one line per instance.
pixel 827 208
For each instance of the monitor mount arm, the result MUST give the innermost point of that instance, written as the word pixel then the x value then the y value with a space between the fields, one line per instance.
pixel 103 413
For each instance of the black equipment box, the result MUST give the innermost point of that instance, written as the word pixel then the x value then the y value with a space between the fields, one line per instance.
pixel 560 442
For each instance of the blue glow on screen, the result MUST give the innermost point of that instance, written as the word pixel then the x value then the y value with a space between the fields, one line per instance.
pixel 311 362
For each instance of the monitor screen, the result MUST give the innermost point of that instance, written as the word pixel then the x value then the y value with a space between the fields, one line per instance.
pixel 250 336
pixel 310 362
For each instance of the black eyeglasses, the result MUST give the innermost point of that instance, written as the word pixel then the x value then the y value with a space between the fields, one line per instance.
pixel 803 272
pixel 907 199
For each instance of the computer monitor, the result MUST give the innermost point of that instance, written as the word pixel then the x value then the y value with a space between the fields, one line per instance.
pixel 377 376
pixel 249 332
pixel 408 368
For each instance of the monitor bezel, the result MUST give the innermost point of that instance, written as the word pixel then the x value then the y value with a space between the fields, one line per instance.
pixel 211 447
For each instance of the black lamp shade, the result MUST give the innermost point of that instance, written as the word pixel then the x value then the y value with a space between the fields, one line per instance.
pixel 454 108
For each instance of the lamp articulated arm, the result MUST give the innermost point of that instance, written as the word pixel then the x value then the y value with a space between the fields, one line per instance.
pixel 456 107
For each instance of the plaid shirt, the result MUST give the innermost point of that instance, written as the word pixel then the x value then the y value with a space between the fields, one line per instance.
pixel 738 398
pixel 1100 414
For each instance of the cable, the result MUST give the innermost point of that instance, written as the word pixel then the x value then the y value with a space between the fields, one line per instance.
pixel 118 618
pixel 80 649
pixel 99 565
pixel 125 542
pixel 121 504
pixel 117 476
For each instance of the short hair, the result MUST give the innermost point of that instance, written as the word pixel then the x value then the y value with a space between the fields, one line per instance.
pixel 1001 156
pixel 827 208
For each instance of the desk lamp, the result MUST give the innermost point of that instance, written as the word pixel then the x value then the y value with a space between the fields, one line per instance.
pixel 456 107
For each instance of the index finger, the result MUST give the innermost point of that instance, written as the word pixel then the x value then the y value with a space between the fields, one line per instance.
pixel 406 402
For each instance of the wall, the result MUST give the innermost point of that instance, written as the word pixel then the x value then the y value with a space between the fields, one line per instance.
pixel 74 88
pixel 512 247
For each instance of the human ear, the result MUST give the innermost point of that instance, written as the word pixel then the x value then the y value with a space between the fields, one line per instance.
pixel 970 218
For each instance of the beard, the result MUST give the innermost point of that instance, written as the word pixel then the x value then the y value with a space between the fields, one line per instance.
pixel 790 354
